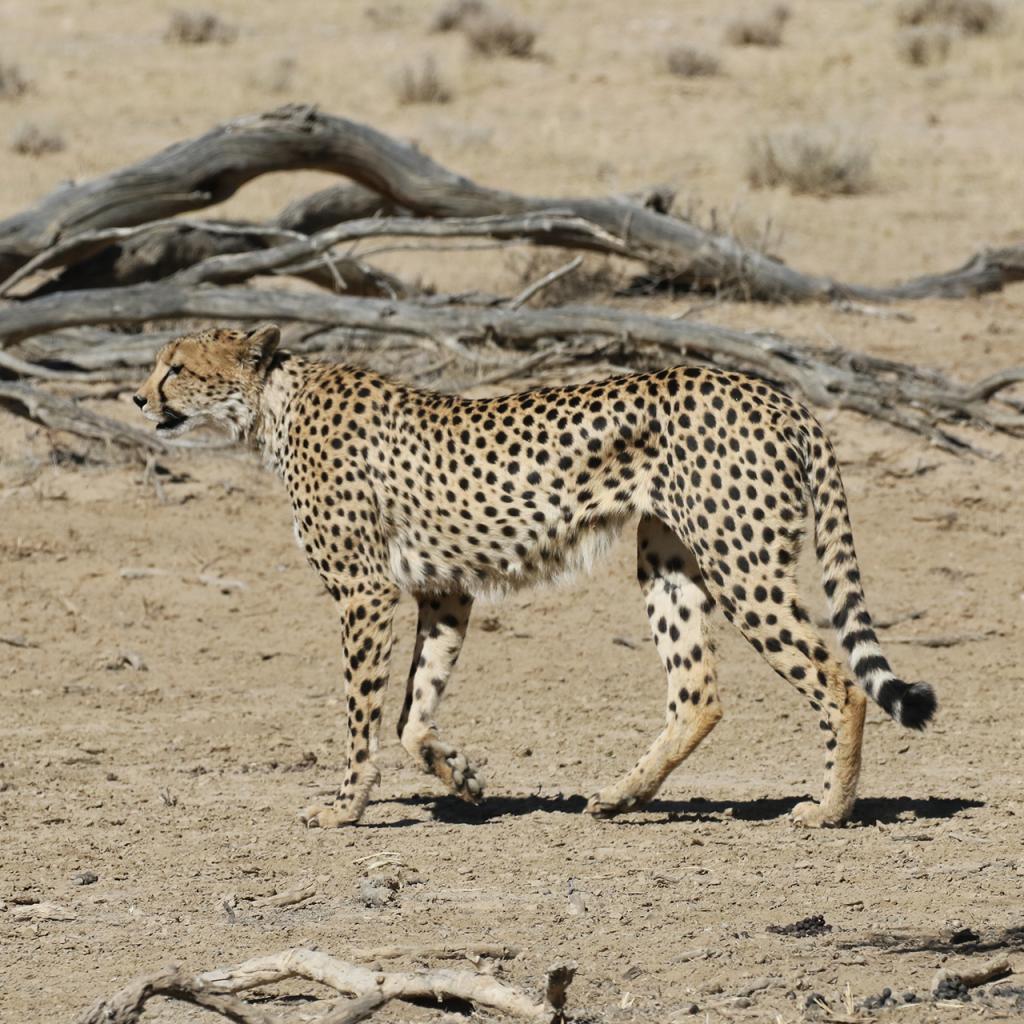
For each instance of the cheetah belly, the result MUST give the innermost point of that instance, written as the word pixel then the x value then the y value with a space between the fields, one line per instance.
pixel 558 551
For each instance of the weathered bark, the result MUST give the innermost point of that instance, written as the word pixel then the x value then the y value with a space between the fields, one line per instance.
pixel 169 247
pixel 94 349
pixel 916 399
pixel 216 990
pixel 59 413
pixel 303 254
pixel 334 205
pixel 206 170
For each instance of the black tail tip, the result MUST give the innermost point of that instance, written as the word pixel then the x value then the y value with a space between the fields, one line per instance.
pixel 917 704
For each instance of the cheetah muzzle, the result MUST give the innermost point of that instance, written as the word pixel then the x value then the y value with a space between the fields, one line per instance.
pixel 397 489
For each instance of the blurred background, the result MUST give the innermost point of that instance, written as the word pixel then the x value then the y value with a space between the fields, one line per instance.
pixel 919 105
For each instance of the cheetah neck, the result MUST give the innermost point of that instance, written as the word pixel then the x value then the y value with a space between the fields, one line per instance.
pixel 270 406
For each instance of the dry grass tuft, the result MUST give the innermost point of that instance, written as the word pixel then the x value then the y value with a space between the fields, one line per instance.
pixel 973 17
pixel 421 83
pixel 759 233
pixel 195 28
pixel 13 84
pixel 32 139
pixel 687 62
pixel 453 15
pixel 822 161
pixel 493 32
pixel 597 276
pixel 758 30
pixel 924 45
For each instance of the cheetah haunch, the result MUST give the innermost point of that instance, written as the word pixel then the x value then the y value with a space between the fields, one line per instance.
pixel 396 489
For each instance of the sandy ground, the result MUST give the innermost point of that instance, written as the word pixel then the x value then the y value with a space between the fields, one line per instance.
pixel 162 730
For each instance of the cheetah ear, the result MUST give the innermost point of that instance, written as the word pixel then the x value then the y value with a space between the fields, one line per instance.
pixel 259 347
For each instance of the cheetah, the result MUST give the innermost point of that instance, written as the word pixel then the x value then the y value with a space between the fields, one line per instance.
pixel 398 489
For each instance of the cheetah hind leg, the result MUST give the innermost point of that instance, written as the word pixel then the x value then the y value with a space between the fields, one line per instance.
pixel 781 631
pixel 442 625
pixel 677 607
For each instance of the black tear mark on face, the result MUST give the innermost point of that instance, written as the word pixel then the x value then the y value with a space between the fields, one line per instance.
pixel 172 418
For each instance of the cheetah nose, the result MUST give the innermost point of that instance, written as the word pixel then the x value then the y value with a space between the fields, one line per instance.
pixel 139 400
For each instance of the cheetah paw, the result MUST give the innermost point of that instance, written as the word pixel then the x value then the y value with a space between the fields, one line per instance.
pixel 606 805
pixel 453 768
pixel 467 784
pixel 318 816
pixel 813 815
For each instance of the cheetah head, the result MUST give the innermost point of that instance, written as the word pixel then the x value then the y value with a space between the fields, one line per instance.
pixel 213 377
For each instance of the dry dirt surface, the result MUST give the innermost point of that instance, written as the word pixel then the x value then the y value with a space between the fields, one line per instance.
pixel 169 670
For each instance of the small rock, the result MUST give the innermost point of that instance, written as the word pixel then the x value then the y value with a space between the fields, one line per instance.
pixel 85 878
pixel 756 985
pixel 125 659
pixel 806 927
pixel 378 890
pixel 700 953
pixel 43 912
pixel 577 904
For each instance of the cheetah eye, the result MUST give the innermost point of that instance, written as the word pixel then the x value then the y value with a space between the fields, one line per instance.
pixel 174 370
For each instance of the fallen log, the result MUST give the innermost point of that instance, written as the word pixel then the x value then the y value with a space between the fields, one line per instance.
pixel 155 251
pixel 334 205
pixel 93 349
pixel 109 257
pixel 59 413
pixel 203 171
pixel 368 990
pixel 914 398
pixel 301 255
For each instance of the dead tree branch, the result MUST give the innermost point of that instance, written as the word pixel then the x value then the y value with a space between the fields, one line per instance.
pixel 913 398
pixel 120 256
pixel 206 170
pixel 546 281
pixel 59 413
pixel 334 205
pixel 235 268
pixel 369 990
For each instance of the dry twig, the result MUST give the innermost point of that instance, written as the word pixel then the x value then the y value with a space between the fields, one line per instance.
pixel 216 990
pixel 968 978
pixel 541 283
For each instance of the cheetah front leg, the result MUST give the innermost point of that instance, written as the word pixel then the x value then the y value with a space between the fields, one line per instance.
pixel 443 621
pixel 366 609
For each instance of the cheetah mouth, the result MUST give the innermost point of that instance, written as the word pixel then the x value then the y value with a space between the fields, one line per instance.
pixel 171 421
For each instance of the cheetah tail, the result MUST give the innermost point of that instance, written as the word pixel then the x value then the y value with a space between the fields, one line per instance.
pixel 910 704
